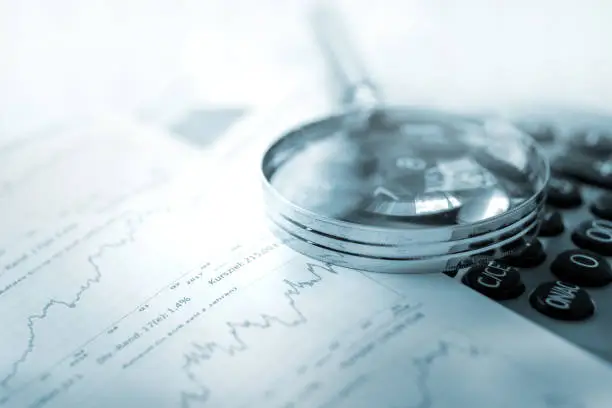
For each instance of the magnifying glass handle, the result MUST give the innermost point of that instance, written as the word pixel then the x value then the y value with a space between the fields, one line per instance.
pixel 357 89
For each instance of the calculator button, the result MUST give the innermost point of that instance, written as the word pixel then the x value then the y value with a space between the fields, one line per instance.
pixel 540 131
pixel 582 267
pixel 585 168
pixel 551 224
pixel 594 235
pixel 602 206
pixel 562 300
pixel 533 255
pixel 563 193
pixel 595 142
pixel 495 280
pixel 515 245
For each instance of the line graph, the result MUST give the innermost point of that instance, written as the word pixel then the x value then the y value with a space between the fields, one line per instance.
pixel 203 352
pixel 335 369
pixel 132 226
pixel 423 365
pixel 168 287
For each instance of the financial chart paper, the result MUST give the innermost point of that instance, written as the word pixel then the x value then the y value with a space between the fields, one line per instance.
pixel 164 288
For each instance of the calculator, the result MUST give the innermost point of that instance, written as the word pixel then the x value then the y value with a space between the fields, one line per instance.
pixel 563 280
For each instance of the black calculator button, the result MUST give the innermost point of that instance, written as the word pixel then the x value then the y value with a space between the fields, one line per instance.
pixel 563 193
pixel 587 169
pixel 582 267
pixel 495 279
pixel 594 142
pixel 533 255
pixel 602 206
pixel 562 300
pixel 594 235
pixel 551 224
pixel 514 245
pixel 540 131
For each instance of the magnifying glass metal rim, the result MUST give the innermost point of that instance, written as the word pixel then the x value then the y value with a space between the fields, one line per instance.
pixel 413 266
pixel 393 236
pixel 470 241
pixel 533 226
pixel 421 249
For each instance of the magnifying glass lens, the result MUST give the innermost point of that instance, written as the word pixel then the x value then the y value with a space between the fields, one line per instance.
pixel 405 171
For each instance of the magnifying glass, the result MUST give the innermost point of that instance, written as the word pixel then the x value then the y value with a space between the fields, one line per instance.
pixel 400 189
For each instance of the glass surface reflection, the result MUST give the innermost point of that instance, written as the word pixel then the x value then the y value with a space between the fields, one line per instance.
pixel 405 171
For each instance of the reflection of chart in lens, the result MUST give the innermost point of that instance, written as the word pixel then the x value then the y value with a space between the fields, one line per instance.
pixel 412 187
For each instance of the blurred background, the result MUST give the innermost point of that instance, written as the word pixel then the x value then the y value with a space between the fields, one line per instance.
pixel 158 59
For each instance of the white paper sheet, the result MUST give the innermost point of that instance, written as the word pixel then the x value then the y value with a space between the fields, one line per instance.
pixel 177 296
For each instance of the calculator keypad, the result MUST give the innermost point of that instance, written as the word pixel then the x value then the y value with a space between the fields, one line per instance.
pixel 590 170
pixel 593 141
pixel 566 273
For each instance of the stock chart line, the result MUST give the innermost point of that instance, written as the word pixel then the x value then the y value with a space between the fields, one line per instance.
pixel 92 259
pixel 204 352
pixel 424 364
